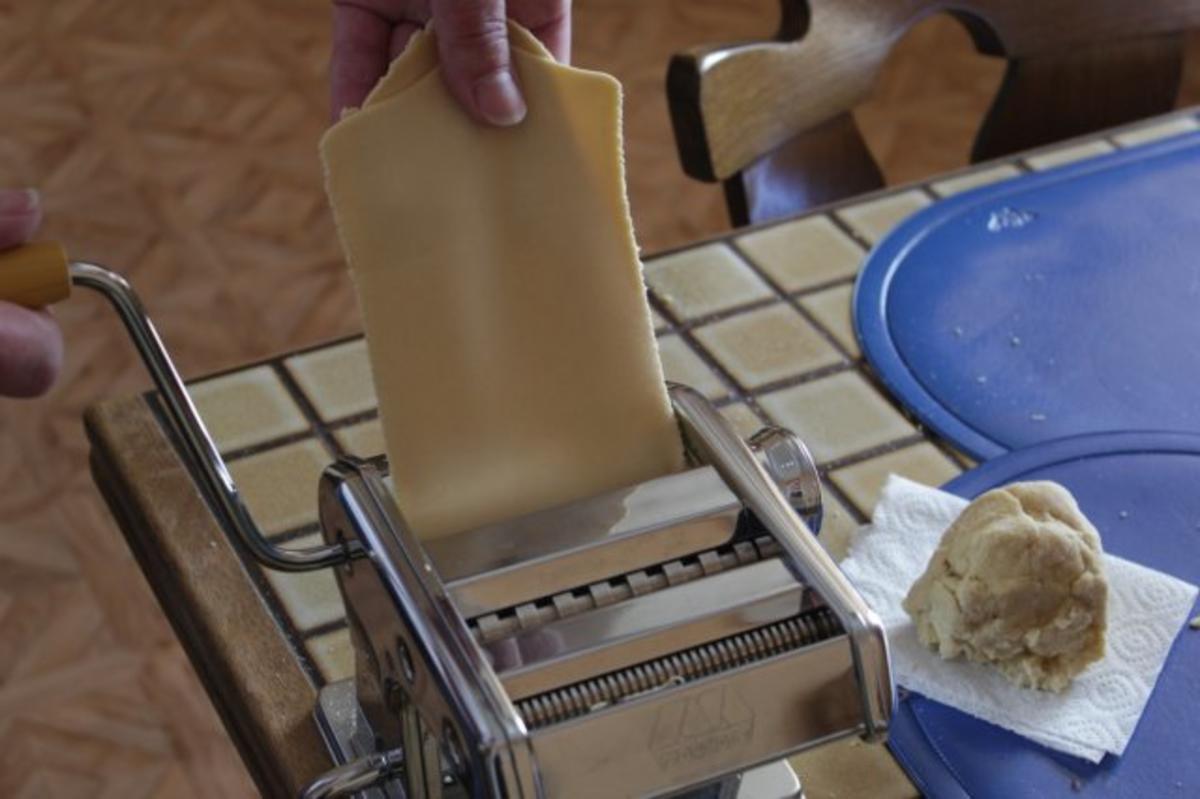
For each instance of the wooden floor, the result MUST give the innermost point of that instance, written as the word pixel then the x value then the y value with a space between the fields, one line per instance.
pixel 176 141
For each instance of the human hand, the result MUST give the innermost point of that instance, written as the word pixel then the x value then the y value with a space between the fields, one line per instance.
pixel 472 45
pixel 30 341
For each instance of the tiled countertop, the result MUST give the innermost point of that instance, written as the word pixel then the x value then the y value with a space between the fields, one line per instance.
pixel 758 321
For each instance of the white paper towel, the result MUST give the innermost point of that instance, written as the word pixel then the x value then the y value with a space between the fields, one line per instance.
pixel 1097 713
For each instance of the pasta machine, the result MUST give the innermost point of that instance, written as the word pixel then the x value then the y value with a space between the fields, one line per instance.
pixel 680 637
pixel 669 636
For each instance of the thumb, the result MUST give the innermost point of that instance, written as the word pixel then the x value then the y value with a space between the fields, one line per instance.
pixel 20 214
pixel 473 46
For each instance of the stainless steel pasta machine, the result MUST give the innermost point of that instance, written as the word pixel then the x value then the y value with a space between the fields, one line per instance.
pixel 680 637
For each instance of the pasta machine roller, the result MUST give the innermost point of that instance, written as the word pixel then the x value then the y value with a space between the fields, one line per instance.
pixel 679 637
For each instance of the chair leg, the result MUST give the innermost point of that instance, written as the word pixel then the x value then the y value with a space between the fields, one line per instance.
pixel 1048 98
pixel 821 165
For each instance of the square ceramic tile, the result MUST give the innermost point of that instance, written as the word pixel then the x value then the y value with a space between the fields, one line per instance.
pixel 873 219
pixel 975 178
pixel 923 463
pixel 1163 130
pixel 364 439
pixel 311 599
pixel 803 253
pixel 1069 154
pixel 838 524
pixel 336 380
pixel 280 485
pixel 831 309
pixel 705 280
pixel 333 653
pixel 682 365
pixel 246 408
pixel 660 323
pixel 745 421
pixel 766 345
pixel 837 416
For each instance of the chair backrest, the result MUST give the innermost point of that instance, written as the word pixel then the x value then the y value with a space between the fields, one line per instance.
pixel 773 121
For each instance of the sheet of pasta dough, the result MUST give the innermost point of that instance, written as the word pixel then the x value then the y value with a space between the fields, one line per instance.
pixel 506 320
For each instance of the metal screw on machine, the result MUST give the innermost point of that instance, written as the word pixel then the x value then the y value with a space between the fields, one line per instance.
pixel 790 464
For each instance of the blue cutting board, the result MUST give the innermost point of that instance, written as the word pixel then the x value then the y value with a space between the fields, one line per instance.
pixel 1142 491
pixel 1055 304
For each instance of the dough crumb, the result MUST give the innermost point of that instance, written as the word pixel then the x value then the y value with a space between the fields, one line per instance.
pixel 1017 581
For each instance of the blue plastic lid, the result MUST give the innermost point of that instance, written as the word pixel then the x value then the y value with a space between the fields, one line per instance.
pixel 1056 304
pixel 1141 492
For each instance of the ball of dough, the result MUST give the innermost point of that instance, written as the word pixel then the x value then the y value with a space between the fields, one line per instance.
pixel 1017 581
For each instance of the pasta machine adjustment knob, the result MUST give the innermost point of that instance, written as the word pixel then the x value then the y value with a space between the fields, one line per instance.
pixel 789 463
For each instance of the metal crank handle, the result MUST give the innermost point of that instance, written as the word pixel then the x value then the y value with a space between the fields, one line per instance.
pixel 39 274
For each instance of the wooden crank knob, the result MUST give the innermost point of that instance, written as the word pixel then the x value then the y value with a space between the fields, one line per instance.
pixel 34 275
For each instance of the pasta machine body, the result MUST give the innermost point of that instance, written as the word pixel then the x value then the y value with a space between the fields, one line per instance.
pixel 666 638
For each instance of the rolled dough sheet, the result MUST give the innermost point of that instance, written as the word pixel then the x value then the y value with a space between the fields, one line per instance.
pixel 511 344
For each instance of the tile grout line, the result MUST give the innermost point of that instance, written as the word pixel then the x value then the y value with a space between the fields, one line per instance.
pixel 724 314
pixel 678 329
pixel 278 358
pixel 821 288
pixel 333 447
pixel 811 376
pixel 308 409
pixel 787 299
pixel 279 442
pixel 863 243
pixel 325 628
pixel 856 513
pixel 793 298
pixel 253 570
pixel 735 388
pixel 352 420
pixel 868 456
pixel 873 452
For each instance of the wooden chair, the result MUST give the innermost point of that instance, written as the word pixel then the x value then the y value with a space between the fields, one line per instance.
pixel 772 120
